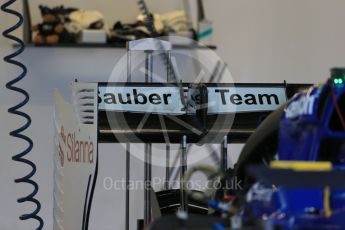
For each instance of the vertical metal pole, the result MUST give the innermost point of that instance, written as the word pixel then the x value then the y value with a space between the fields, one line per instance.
pixel 167 166
pixel 128 165
pixel 169 68
pixel 148 149
pixel 149 66
pixel 184 198
pixel 224 155
pixel 148 176
pixel 167 147
pixel 128 148
pixel 129 65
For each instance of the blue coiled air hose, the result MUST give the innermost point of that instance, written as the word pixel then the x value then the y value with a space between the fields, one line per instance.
pixel 16 110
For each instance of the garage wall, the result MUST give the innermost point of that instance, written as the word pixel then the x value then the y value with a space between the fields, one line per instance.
pixel 261 40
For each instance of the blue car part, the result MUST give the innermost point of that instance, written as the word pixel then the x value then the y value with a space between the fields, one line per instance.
pixel 311 128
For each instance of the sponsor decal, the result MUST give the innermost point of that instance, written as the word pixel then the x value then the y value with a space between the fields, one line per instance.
pixel 245 99
pixel 140 99
pixel 167 100
pixel 74 150
pixel 136 98
pixel 248 99
pixel 302 106
pixel 61 155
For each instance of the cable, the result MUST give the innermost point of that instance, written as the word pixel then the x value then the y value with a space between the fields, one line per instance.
pixel 338 110
pixel 15 110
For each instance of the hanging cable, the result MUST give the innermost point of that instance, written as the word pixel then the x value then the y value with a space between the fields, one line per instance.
pixel 338 110
pixel 15 110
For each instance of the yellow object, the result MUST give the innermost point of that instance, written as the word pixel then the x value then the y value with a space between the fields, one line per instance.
pixel 309 166
pixel 326 202
pixel 302 165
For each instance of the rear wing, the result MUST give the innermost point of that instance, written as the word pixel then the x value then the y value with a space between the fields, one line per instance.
pixel 155 112
pixel 149 113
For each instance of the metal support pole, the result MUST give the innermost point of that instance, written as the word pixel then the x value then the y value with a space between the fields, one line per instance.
pixel 170 78
pixel 148 149
pixel 184 198
pixel 128 150
pixel 224 155
pixel 129 65
pixel 167 166
pixel 167 147
pixel 149 66
pixel 128 165
pixel 148 177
